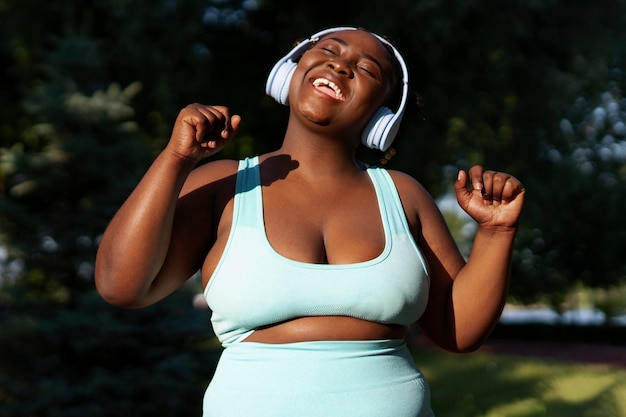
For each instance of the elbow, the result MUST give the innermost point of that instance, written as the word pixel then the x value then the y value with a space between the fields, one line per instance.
pixel 471 344
pixel 456 344
pixel 113 293
pixel 111 296
pixel 459 348
pixel 467 348
pixel 113 285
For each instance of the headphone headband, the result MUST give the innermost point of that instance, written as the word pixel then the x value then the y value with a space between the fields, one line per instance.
pixel 382 128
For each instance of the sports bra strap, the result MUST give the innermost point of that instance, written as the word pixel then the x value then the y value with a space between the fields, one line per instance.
pixel 390 204
pixel 248 209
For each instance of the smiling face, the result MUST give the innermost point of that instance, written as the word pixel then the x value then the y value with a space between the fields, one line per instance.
pixel 342 80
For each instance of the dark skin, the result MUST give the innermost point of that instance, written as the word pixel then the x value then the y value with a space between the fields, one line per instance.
pixel 178 219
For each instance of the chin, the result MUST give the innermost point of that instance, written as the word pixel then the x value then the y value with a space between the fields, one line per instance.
pixel 315 116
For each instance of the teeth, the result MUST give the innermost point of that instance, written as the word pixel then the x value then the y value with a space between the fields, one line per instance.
pixel 324 82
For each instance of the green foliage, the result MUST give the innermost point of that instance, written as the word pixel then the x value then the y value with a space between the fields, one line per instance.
pixel 89 94
pixel 76 143
pixel 581 236
pixel 92 359
pixel 520 387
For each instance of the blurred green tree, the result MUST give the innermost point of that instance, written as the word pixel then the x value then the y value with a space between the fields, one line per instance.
pixel 80 133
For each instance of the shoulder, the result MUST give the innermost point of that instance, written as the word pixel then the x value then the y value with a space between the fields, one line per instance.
pixel 216 169
pixel 409 188
pixel 416 200
pixel 213 175
pixel 206 193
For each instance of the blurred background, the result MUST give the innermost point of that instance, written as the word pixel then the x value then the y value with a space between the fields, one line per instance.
pixel 88 95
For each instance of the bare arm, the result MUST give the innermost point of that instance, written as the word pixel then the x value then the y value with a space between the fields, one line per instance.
pixel 148 250
pixel 466 298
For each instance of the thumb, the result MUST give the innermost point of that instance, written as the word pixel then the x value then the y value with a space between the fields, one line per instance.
pixel 232 127
pixel 460 188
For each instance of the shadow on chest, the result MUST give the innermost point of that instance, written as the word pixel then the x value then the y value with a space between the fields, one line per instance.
pixel 322 223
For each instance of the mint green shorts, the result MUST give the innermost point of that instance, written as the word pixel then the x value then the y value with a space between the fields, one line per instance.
pixel 318 379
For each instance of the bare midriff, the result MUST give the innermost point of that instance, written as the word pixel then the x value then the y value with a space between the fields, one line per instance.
pixel 307 329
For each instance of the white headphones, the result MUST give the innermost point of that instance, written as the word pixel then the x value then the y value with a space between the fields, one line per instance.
pixel 381 130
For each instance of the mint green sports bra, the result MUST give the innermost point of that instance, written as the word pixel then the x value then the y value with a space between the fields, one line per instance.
pixel 254 286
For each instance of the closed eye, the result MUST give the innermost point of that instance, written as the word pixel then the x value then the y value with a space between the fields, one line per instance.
pixel 369 71
pixel 366 64
pixel 329 45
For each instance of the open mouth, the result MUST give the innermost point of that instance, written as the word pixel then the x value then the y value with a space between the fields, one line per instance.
pixel 328 87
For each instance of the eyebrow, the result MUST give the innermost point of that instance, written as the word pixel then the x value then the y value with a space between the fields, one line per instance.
pixel 363 54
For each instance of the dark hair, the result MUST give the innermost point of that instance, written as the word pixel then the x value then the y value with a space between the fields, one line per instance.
pixel 394 100
pixel 415 101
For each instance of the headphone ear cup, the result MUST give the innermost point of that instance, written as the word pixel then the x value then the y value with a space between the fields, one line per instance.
pixel 381 129
pixel 278 82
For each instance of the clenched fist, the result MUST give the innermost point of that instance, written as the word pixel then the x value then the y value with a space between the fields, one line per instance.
pixel 201 131
pixel 493 199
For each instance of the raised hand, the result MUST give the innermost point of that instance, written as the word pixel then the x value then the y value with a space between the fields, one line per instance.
pixel 493 200
pixel 201 131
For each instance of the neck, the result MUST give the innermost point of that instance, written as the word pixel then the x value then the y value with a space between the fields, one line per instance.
pixel 319 153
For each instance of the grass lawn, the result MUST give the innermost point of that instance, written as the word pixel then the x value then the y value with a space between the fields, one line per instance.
pixel 489 385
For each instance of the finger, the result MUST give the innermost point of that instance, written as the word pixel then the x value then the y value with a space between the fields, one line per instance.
pixel 201 122
pixel 460 187
pixel 499 181
pixel 231 126
pixel 191 117
pixel 476 176
pixel 512 188
pixel 234 124
pixel 224 129
pixel 215 120
pixel 489 184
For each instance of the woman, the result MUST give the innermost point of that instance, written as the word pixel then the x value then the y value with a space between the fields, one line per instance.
pixel 313 263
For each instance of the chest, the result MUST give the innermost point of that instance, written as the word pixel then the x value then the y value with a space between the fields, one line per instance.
pixel 323 225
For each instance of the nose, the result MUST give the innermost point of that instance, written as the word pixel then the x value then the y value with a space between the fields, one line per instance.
pixel 342 67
